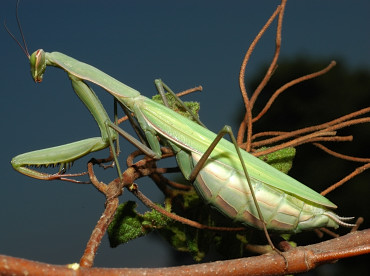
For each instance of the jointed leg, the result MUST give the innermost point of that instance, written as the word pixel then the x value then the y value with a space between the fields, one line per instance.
pixel 203 159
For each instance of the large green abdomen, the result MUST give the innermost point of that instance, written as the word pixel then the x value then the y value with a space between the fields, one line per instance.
pixel 227 189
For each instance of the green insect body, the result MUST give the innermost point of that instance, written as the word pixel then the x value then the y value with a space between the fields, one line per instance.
pixel 286 204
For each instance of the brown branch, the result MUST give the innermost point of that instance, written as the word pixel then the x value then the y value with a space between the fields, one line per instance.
pixel 308 139
pixel 162 182
pixel 189 91
pixel 167 186
pixel 342 156
pixel 290 84
pixel 321 232
pixel 357 171
pixel 111 191
pixel 268 133
pixel 101 227
pixel 247 121
pixel 273 64
pixel 298 141
pixel 336 122
pixel 300 259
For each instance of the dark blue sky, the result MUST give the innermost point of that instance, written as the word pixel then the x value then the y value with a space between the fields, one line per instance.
pixel 186 43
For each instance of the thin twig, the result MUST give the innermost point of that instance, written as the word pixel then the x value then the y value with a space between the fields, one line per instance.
pixel 293 143
pixel 342 156
pixel 311 128
pixel 273 64
pixel 189 91
pixel 101 227
pixel 357 171
pixel 290 84
pixel 337 124
pixel 247 121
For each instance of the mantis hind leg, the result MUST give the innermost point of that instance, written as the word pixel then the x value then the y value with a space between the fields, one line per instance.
pixel 195 171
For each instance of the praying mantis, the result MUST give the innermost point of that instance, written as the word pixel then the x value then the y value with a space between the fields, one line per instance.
pixel 234 181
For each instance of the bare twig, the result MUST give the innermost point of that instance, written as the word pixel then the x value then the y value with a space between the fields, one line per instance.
pixel 290 84
pixel 298 141
pixel 101 227
pixel 189 91
pixel 337 122
pixel 342 156
pixel 111 191
pixel 273 64
pixel 357 171
pixel 247 121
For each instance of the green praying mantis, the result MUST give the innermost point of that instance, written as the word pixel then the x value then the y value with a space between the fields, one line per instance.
pixel 238 184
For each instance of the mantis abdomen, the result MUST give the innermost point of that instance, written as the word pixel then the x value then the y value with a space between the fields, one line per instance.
pixel 287 205
pixel 227 189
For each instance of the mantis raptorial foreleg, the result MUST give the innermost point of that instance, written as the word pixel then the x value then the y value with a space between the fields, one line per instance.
pixel 65 155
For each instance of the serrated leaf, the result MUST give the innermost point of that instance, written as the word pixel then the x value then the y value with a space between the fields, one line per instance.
pixel 281 159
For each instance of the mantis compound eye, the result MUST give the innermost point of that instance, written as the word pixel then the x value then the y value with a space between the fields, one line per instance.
pixel 38 65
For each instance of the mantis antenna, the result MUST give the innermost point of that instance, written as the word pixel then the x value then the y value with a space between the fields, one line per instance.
pixel 24 48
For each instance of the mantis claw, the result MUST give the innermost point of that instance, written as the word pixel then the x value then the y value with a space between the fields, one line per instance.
pixel 64 177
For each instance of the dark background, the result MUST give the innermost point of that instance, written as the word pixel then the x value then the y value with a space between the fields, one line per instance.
pixel 186 44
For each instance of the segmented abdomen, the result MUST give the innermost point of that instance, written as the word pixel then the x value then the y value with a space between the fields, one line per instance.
pixel 227 189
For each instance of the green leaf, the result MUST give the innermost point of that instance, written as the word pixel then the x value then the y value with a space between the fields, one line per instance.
pixel 281 159
pixel 175 105
pixel 128 224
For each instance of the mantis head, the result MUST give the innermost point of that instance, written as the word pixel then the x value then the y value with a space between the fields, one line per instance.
pixel 37 59
pixel 38 65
